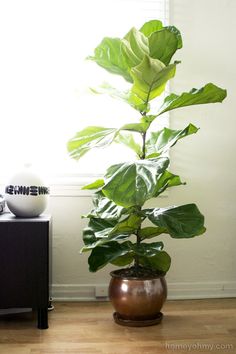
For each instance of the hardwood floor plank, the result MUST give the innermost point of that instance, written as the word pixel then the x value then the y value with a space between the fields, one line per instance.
pixel 201 326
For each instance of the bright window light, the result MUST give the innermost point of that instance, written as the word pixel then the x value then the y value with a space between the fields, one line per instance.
pixel 45 78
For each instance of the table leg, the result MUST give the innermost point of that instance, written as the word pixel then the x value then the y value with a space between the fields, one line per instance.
pixel 43 318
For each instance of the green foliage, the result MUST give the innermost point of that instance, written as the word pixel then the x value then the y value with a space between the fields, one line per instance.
pixel 133 183
pixel 163 45
pixel 210 93
pixel 89 138
pixel 150 78
pixel 143 59
pixel 184 221
pixel 162 140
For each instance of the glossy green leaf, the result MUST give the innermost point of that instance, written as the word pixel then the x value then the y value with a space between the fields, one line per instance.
pixel 150 232
pixel 150 78
pixel 104 208
pixel 125 96
pixel 184 221
pixel 151 26
pixel 162 39
pixel 162 140
pixel 89 236
pixel 147 249
pixel 98 233
pixel 124 260
pixel 99 224
pixel 99 228
pixel 136 127
pixel 89 138
pixel 109 55
pixel 163 45
pixel 160 262
pixel 167 180
pixel 128 140
pixel 133 183
pixel 137 103
pixel 140 127
pixel 137 42
pixel 99 241
pixel 178 35
pixel 107 253
pixel 92 239
pixel 129 225
pixel 134 47
pixel 94 185
pixel 210 93
pixel 106 88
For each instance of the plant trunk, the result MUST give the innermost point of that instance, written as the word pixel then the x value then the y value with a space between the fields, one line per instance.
pixel 136 259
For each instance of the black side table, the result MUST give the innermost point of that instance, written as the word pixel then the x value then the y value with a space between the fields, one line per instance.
pixel 25 264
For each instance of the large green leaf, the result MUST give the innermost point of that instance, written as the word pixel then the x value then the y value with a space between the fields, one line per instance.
pixel 99 227
pixel 89 237
pixel 210 93
pixel 159 262
pixel 124 260
pixel 137 103
pixel 163 45
pixel 140 127
pixel 178 35
pixel 147 249
pixel 98 233
pixel 167 180
pixel 109 55
pixel 184 221
pixel 150 78
pixel 90 138
pixel 125 96
pixel 124 253
pixel 136 127
pixel 106 253
pixel 104 208
pixel 136 42
pixel 106 88
pixel 94 185
pixel 127 226
pixel 163 41
pixel 91 242
pixel 99 224
pixel 150 232
pixel 118 56
pixel 151 26
pixel 128 140
pixel 162 140
pixel 132 183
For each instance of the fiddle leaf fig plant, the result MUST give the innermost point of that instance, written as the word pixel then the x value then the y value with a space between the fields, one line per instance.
pixel 116 233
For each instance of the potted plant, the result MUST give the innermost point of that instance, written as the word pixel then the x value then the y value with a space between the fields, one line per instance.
pixel 121 227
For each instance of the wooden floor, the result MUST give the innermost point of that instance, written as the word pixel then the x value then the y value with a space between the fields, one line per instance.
pixel 196 326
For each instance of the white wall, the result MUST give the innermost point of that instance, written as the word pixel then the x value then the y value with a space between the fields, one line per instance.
pixel 204 266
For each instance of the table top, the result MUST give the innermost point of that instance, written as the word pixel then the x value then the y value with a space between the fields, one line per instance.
pixel 9 217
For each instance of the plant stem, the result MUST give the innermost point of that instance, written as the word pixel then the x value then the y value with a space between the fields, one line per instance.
pixel 138 241
pixel 138 237
pixel 144 146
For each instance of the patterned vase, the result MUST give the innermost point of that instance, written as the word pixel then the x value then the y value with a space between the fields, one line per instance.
pixel 26 194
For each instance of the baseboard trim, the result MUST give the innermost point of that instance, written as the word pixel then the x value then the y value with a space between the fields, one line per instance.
pixel 176 291
pixel 201 290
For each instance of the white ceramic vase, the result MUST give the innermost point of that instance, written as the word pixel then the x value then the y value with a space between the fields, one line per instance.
pixel 26 194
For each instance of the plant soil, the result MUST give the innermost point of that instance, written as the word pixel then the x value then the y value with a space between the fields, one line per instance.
pixel 137 273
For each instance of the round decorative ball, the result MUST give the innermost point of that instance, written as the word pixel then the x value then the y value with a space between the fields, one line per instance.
pixel 26 194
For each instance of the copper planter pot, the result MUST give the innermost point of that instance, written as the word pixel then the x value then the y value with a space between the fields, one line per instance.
pixel 137 302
